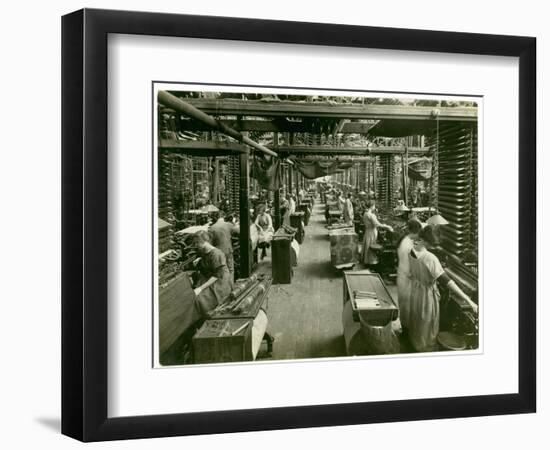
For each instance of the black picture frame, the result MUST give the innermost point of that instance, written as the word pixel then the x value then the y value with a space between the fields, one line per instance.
pixel 84 224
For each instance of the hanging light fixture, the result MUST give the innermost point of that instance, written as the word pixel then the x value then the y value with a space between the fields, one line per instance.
pixel 437 219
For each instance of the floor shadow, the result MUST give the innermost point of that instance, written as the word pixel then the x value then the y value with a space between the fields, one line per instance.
pixel 317 237
pixel 317 269
pixel 52 423
pixel 332 346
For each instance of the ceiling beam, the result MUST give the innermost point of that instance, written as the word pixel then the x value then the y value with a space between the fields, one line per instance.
pixel 329 110
pixel 327 159
pixel 220 148
pixel 361 151
pixel 201 148
pixel 270 126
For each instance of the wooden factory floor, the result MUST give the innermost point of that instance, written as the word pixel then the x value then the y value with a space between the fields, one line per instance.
pixel 305 317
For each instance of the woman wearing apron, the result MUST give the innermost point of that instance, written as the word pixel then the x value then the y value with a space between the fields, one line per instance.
pixel 426 273
pixel 348 211
pixel 215 283
pixel 404 248
pixel 371 233
pixel 265 229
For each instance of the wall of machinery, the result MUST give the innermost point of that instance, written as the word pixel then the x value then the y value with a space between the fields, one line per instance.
pixel 456 201
pixel 457 189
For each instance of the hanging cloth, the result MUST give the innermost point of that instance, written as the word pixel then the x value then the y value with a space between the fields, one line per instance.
pixel 267 173
pixel 317 169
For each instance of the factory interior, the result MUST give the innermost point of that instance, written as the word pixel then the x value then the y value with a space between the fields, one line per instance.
pixel 283 223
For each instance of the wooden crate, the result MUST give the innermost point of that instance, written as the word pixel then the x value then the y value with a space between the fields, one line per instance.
pixel 214 342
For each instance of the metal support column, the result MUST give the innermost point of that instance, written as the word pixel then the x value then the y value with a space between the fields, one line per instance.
pixel 297 186
pixel 244 217
pixel 290 175
pixel 277 192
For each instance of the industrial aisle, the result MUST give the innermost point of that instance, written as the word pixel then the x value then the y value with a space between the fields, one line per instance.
pixel 305 317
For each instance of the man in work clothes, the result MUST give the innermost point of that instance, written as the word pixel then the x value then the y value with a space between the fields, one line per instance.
pixel 221 232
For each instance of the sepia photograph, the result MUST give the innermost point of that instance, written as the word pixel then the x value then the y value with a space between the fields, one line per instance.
pixel 297 224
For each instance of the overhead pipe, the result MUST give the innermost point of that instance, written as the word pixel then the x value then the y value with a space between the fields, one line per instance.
pixel 177 104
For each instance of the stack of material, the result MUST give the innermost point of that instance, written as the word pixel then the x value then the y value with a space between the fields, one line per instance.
pixel 232 183
pixel 366 300
pixel 165 188
pixel 385 180
pixel 362 176
pixel 343 247
pixel 457 194
pixel 373 309
pixel 474 195
pixel 182 187
pixel 246 299
pixel 175 189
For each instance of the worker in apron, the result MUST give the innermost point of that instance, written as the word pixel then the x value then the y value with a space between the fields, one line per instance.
pixel 404 248
pixel 215 283
pixel 348 211
pixel 372 224
pixel 265 229
pixel 221 232
pixel 426 273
